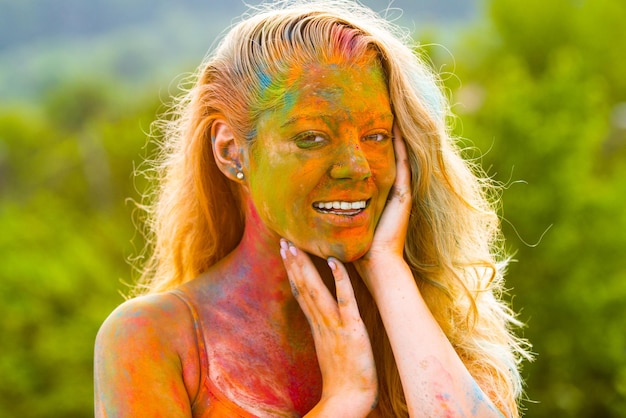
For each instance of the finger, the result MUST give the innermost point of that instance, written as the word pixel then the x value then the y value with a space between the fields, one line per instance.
pixel 391 229
pixel 307 286
pixel 402 183
pixel 346 301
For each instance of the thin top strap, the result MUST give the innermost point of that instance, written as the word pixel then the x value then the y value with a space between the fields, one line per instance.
pixel 200 342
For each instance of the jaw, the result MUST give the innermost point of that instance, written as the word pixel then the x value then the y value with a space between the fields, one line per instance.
pixel 345 244
pixel 345 234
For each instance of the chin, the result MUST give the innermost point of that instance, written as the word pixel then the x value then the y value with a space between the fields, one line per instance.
pixel 346 253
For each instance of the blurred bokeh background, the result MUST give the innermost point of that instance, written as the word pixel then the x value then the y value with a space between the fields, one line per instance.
pixel 540 90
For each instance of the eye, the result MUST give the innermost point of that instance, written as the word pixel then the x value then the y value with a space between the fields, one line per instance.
pixel 376 137
pixel 310 140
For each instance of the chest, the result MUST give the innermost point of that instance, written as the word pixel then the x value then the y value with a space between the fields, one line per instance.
pixel 263 366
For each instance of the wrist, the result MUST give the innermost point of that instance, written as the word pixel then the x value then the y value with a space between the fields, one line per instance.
pixel 343 406
pixel 380 266
pixel 386 276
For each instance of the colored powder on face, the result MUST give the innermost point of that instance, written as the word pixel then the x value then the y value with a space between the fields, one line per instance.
pixel 341 103
pixel 273 93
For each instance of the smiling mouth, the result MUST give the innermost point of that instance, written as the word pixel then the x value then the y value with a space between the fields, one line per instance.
pixel 342 207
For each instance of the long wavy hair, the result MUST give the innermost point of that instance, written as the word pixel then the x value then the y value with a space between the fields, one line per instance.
pixel 453 246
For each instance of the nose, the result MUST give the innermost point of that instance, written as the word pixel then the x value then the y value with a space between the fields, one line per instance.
pixel 350 163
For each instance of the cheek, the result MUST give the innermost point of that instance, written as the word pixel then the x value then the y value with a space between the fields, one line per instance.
pixel 278 190
pixel 265 187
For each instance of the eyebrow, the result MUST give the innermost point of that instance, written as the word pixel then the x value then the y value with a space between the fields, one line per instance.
pixel 298 118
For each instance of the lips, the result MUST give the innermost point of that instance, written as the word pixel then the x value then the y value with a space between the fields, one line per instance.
pixel 341 207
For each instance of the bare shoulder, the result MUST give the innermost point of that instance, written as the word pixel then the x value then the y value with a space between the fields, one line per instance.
pixel 149 318
pixel 139 357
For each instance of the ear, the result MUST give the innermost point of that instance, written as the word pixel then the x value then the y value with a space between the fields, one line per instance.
pixel 227 153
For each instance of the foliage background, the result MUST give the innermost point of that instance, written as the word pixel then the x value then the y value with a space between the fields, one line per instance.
pixel 540 91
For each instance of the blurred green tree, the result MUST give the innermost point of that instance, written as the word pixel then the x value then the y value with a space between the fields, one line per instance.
pixel 543 94
pixel 66 170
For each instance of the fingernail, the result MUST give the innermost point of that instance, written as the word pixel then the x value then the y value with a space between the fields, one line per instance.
pixel 283 244
pixel 332 264
pixel 293 249
pixel 283 253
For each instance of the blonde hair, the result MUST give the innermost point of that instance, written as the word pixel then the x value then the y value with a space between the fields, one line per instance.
pixel 453 244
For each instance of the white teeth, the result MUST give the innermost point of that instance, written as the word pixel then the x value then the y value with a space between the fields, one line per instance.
pixel 342 205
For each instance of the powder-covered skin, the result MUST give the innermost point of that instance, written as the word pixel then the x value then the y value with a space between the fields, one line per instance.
pixel 260 349
pixel 259 345
pixel 330 140
pixel 139 351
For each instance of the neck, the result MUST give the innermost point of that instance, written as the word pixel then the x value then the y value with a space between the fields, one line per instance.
pixel 260 319
pixel 253 273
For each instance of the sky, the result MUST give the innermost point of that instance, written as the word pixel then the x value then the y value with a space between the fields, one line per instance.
pixel 144 43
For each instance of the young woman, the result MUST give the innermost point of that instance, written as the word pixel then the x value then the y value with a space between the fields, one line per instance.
pixel 320 248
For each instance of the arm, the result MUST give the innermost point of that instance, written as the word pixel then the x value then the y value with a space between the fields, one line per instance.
pixel 137 371
pixel 434 379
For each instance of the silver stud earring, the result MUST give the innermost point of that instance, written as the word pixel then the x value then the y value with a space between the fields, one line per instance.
pixel 240 175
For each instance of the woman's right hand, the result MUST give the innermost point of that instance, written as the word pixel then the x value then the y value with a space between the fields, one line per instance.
pixel 344 351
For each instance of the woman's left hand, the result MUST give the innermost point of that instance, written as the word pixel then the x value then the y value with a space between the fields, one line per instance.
pixel 388 242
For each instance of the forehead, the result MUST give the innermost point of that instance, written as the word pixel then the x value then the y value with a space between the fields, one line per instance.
pixel 329 68
pixel 355 87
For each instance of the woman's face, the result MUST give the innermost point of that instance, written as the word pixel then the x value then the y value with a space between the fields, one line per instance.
pixel 323 161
